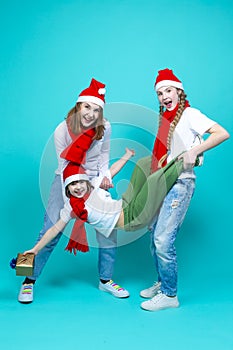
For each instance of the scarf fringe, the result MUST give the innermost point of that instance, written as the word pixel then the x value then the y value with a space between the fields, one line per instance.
pixel 73 246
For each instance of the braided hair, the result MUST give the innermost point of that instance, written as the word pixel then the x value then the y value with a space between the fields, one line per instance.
pixel 179 112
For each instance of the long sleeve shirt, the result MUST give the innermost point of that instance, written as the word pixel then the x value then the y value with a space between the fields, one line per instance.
pixel 97 157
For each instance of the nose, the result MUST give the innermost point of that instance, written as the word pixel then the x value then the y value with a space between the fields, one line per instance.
pixel 90 113
pixel 164 95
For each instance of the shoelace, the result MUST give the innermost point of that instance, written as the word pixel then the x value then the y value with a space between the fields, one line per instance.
pixel 156 284
pixel 27 289
pixel 115 286
pixel 157 297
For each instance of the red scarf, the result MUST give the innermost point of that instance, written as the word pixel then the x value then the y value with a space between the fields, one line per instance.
pixel 78 238
pixel 76 151
pixel 160 145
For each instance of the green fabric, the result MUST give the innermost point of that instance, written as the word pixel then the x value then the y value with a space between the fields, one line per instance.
pixel 146 192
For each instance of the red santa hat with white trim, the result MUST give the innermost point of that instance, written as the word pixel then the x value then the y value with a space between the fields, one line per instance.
pixel 74 172
pixel 95 93
pixel 166 77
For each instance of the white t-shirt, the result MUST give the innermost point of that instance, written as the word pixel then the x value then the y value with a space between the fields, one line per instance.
pixel 192 124
pixel 103 211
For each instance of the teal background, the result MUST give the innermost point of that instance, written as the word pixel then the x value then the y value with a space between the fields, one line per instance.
pixel 49 52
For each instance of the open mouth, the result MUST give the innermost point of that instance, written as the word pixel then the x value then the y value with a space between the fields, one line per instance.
pixel 168 104
pixel 87 120
pixel 78 193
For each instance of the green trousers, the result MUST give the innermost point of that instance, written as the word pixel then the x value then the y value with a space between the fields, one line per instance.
pixel 146 192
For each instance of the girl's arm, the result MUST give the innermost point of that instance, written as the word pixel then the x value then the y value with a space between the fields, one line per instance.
pixel 118 165
pixel 105 151
pixel 48 236
pixel 105 181
pixel 217 135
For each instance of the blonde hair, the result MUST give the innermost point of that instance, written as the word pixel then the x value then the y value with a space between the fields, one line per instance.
pixel 73 120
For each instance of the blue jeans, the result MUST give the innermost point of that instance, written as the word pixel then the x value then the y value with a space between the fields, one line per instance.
pixel 107 246
pixel 164 231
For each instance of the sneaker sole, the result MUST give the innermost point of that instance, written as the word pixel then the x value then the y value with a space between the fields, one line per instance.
pixel 114 294
pixel 25 302
pixel 161 308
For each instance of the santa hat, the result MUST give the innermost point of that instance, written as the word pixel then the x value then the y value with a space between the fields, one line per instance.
pixel 166 77
pixel 74 172
pixel 94 93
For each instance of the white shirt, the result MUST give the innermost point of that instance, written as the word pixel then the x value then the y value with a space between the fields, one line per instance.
pixel 103 211
pixel 97 157
pixel 192 123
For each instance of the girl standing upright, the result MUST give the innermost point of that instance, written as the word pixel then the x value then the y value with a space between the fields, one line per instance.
pixel 180 130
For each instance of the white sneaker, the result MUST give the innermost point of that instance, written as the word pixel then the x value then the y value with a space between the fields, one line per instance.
pixel 26 293
pixel 159 302
pixel 114 289
pixel 152 291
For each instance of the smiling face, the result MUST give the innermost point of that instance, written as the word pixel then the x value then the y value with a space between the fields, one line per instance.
pixel 168 97
pixel 78 189
pixel 89 114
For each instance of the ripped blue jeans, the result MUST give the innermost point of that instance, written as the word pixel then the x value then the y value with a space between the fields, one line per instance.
pixel 164 231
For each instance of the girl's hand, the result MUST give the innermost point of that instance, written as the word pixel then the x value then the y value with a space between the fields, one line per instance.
pixel 33 250
pixel 129 152
pixel 106 184
pixel 189 159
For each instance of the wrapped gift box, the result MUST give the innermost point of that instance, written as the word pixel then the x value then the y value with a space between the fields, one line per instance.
pixel 25 264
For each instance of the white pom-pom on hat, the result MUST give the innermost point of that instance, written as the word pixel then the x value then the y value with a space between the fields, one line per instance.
pixel 102 91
